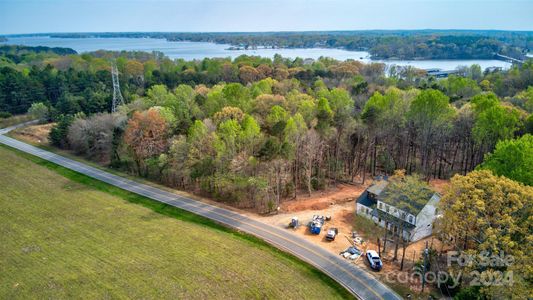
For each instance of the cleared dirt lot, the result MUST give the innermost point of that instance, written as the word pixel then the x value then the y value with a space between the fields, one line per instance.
pixel 339 203
pixel 342 218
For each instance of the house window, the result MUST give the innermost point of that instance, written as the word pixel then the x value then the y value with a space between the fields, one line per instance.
pixel 411 220
pixel 380 205
pixel 388 208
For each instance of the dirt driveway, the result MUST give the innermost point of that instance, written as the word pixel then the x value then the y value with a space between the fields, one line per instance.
pixel 338 203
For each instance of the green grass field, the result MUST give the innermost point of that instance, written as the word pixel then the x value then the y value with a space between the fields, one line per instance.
pixel 64 235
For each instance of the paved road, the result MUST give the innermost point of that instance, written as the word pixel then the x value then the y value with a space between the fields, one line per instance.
pixel 354 279
pixel 8 129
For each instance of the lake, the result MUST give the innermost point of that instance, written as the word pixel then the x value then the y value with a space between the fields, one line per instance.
pixel 200 50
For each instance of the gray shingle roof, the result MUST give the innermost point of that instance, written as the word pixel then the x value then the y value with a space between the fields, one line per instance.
pixel 408 194
pixel 411 201
pixel 378 187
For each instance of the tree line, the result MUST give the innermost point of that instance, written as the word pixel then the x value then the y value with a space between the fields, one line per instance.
pixel 255 130
pixel 400 44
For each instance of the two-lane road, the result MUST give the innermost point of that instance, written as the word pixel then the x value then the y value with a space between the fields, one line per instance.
pixel 354 279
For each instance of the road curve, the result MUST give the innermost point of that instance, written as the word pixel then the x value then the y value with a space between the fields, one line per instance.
pixel 354 279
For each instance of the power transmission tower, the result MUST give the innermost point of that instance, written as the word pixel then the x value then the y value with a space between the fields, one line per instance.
pixel 117 95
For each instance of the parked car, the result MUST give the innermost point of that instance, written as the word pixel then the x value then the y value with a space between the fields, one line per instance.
pixel 294 223
pixel 374 260
pixel 331 234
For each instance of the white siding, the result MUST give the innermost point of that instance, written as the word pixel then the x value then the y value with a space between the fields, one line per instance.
pixel 362 210
pixel 366 211
pixel 396 212
pixel 424 220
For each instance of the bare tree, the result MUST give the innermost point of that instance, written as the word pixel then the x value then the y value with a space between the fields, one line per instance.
pixel 93 136
pixel 312 148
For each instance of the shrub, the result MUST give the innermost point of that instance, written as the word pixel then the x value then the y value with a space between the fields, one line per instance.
pixel 58 134
pixel 39 111
pixel 5 114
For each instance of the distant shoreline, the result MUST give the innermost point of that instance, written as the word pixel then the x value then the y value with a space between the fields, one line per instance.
pixel 381 44
pixel 198 50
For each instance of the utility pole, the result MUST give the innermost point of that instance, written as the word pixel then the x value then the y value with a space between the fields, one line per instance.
pixel 117 95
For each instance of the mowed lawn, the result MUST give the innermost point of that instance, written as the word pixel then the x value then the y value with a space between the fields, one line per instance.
pixel 78 238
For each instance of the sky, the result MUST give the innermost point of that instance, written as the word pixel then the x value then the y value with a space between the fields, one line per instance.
pixel 42 16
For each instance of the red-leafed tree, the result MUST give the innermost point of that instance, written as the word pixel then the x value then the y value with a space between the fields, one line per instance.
pixel 145 135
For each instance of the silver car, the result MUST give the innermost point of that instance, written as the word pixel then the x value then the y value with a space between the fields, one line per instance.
pixel 331 234
pixel 374 260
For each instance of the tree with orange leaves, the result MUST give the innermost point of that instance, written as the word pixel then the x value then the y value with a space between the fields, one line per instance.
pixel 145 135
pixel 248 74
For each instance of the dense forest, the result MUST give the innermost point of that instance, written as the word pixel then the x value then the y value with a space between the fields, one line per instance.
pixel 255 130
pixel 18 53
pixel 382 44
